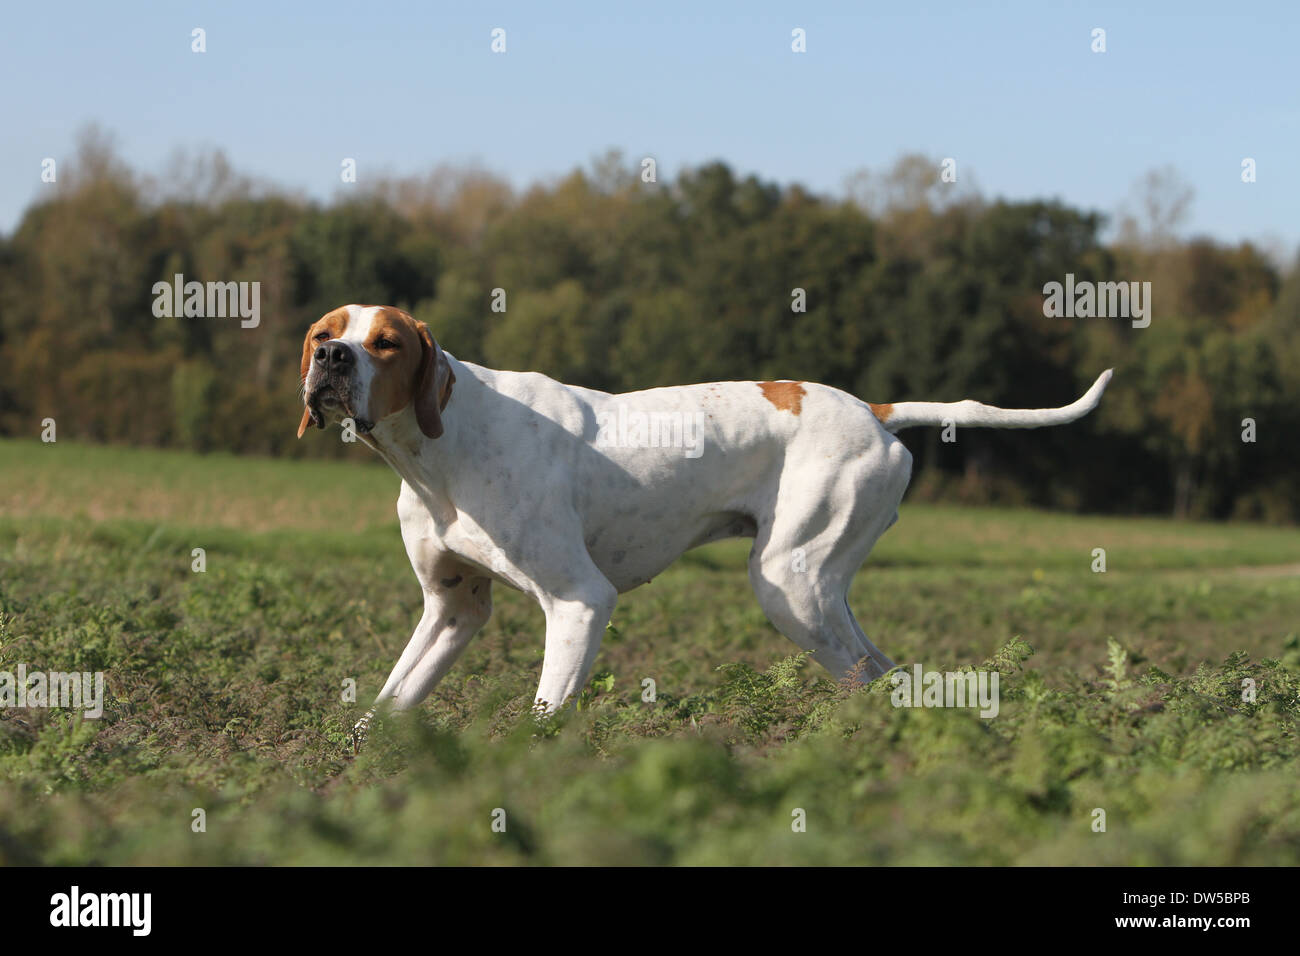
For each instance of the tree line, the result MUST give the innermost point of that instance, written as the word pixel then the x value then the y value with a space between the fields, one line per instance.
pixel 906 288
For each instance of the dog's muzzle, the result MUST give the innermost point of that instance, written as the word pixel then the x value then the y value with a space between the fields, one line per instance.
pixel 329 386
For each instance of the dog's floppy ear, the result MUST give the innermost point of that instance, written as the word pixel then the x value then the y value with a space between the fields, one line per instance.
pixel 302 377
pixel 433 382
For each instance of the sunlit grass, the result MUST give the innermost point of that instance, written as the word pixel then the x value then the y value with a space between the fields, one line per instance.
pixel 226 691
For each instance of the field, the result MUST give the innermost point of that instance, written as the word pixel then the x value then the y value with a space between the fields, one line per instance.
pixel 1121 691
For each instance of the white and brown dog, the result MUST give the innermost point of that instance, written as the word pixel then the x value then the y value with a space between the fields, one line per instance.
pixel 574 496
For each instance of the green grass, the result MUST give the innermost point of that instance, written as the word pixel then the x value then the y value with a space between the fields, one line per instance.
pixel 225 691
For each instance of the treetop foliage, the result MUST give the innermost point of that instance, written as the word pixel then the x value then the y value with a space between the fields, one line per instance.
pixel 912 289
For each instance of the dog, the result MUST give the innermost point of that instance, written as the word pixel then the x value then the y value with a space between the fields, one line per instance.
pixel 573 496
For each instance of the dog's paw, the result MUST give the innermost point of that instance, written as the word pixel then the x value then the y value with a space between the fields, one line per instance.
pixel 360 729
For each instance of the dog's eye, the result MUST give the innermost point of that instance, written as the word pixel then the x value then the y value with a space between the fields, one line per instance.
pixel 321 336
pixel 384 344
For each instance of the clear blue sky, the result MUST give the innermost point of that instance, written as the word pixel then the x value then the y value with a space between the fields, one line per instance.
pixel 1013 92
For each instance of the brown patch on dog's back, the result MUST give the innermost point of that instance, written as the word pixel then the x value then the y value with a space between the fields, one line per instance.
pixel 882 412
pixel 787 396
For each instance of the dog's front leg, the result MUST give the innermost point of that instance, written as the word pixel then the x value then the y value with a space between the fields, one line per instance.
pixel 575 625
pixel 452 615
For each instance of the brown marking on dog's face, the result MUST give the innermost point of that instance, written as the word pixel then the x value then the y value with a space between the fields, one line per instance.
pixel 882 412
pixel 398 350
pixel 787 396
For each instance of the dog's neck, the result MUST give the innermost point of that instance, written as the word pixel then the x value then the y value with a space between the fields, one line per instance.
pixel 422 462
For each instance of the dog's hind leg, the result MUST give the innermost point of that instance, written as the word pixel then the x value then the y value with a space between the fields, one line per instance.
pixel 796 571
pixel 807 603
pixel 804 560
pixel 878 662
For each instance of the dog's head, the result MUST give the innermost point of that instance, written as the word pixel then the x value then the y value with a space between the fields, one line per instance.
pixel 368 362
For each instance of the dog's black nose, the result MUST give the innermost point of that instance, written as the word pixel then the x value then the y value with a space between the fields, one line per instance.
pixel 334 353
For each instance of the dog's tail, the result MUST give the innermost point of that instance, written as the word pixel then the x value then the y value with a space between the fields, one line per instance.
pixel 970 414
